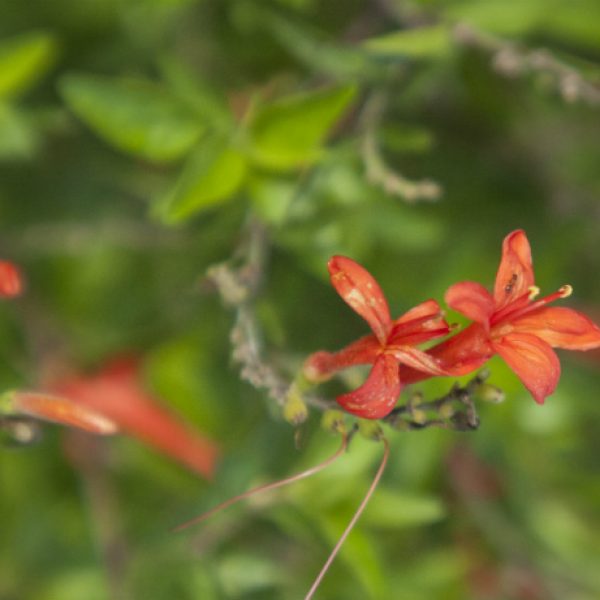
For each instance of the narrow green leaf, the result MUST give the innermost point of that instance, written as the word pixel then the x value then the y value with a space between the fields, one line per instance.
pixel 421 43
pixel 491 16
pixel 135 116
pixel 24 59
pixel 214 172
pixel 390 509
pixel 290 132
pixel 319 53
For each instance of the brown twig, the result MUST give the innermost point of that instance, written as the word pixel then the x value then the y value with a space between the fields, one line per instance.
pixel 379 173
pixel 512 60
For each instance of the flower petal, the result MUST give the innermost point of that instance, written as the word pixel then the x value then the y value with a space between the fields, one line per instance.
pixel 116 394
pixel 320 366
pixel 58 409
pixel 561 328
pixel 429 308
pixel 472 300
pixel 417 359
pixel 515 273
pixel 377 396
pixel 459 355
pixel 423 322
pixel 533 360
pixel 11 283
pixel 362 293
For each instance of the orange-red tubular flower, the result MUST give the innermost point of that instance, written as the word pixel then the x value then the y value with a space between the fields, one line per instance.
pixel 11 282
pixel 391 344
pixel 514 323
pixel 113 400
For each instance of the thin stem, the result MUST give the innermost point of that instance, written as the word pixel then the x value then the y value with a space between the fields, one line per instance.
pixel 266 487
pixel 353 521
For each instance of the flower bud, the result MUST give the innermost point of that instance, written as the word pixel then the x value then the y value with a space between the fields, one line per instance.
pixel 333 421
pixel 491 393
pixel 295 410
pixel 370 430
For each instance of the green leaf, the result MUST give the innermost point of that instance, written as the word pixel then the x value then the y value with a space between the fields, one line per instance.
pixel 135 116
pixel 317 52
pixel 424 42
pixel 18 139
pixel 198 94
pixel 24 59
pixel 214 172
pixel 290 132
pixel 271 197
pixel 492 16
pixel 389 509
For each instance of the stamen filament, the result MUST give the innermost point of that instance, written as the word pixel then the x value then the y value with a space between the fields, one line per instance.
pixel 524 304
pixel 265 487
pixel 353 521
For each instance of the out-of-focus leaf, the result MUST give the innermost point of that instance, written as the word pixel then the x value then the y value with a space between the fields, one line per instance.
pixel 135 116
pixel 358 552
pixel 24 60
pixel 244 573
pixel 423 42
pixel 290 132
pixel 18 139
pixel 196 93
pixel 213 173
pixel 493 16
pixel 340 62
pixel 271 197
pixel 407 138
pixel 390 509
pixel 75 584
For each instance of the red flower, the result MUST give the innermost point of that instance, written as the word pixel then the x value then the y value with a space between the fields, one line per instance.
pixel 513 323
pixel 11 283
pixel 392 342
pixel 113 401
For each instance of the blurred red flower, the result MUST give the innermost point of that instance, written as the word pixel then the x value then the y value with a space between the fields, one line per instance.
pixel 11 282
pixel 113 400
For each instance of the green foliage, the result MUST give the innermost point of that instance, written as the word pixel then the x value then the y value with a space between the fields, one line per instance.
pixel 135 116
pixel 213 173
pixel 420 43
pixel 289 133
pixel 139 140
pixel 24 60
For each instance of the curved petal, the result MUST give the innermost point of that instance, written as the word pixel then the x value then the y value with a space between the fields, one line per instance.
pixel 424 322
pixel 459 355
pixel 429 308
pixel 515 273
pixel 62 410
pixel 378 394
pixel 560 327
pixel 472 300
pixel 362 293
pixel 320 366
pixel 417 359
pixel 534 362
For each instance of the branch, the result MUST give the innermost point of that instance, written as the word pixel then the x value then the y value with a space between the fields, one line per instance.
pixel 381 174
pixel 511 60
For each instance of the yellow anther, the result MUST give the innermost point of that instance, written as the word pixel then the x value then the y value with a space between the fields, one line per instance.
pixel 534 292
pixel 565 291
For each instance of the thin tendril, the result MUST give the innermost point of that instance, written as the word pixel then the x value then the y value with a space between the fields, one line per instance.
pixel 267 486
pixel 355 518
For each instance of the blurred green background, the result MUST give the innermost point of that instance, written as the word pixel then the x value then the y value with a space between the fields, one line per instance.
pixel 136 139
